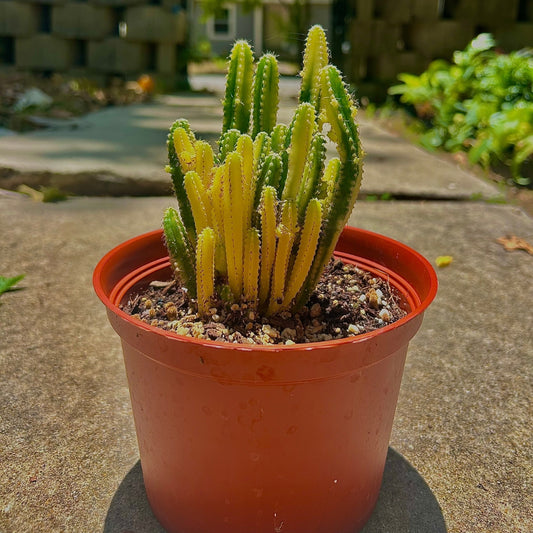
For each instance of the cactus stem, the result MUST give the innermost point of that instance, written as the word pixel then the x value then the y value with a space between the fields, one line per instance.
pixel 234 215
pixel 251 266
pixel 205 270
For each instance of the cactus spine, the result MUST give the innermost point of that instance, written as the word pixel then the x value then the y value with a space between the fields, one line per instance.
pixel 258 221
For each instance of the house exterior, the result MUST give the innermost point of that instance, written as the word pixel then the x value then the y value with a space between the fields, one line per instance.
pixel 278 27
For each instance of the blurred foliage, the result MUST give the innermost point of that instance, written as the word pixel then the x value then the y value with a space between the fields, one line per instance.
pixel 481 103
pixel 8 284
pixel 200 50
pixel 213 7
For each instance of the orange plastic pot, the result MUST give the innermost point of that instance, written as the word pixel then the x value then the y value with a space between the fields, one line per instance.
pixel 257 439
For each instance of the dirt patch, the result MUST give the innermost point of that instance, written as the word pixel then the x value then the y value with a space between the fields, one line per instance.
pixel 96 183
pixel 65 98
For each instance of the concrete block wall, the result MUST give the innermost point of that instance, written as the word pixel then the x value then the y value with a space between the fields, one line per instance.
pixel 387 37
pixel 94 37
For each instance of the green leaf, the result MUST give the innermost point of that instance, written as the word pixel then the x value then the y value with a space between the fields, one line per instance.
pixel 7 284
pixel 45 194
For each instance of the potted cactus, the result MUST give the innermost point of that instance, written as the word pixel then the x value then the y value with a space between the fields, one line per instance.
pixel 285 437
pixel 267 204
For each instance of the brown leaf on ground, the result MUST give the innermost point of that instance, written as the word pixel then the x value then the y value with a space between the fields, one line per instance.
pixel 512 243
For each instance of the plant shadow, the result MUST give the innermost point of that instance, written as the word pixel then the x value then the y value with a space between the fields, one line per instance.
pixel 405 505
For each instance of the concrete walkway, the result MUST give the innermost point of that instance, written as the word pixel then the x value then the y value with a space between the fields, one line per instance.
pixel 121 150
pixel 461 456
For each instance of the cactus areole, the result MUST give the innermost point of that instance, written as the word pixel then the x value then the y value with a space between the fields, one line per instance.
pixel 257 222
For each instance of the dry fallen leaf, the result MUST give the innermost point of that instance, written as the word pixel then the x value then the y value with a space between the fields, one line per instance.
pixel 443 260
pixel 512 243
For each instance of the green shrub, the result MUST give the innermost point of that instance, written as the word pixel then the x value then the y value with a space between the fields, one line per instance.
pixel 481 103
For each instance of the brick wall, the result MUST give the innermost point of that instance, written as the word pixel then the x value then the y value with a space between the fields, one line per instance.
pixel 387 37
pixel 94 37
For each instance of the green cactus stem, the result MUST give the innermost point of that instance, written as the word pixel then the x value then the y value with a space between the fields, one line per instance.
pixel 180 250
pixel 238 98
pixel 261 150
pixel 227 143
pixel 312 173
pixel 303 127
pixel 277 138
pixel 339 111
pixel 270 174
pixel 265 95
pixel 178 174
pixel 328 182
pixel 315 58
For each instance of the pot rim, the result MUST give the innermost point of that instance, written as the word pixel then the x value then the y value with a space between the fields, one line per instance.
pixel 403 285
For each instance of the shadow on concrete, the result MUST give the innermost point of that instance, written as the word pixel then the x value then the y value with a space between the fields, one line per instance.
pixel 405 505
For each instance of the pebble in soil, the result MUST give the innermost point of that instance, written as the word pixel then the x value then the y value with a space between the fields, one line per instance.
pixel 346 302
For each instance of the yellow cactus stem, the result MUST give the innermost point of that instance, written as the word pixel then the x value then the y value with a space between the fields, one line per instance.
pixel 329 180
pixel 197 195
pixel 216 197
pixel 204 161
pixel 267 212
pixel 286 233
pixel 184 149
pixel 251 266
pixel 279 273
pixel 245 148
pixel 234 214
pixel 306 251
pixel 205 270
pixel 302 133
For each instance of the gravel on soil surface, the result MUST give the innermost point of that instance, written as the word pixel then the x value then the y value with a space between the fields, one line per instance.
pixel 347 301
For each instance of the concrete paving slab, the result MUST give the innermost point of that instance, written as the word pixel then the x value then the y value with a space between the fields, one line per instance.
pixel 460 457
pixel 124 147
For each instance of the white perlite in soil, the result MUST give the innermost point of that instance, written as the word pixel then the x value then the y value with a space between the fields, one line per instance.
pixel 347 301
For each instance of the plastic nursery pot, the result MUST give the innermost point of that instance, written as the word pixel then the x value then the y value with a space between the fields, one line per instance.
pixel 241 438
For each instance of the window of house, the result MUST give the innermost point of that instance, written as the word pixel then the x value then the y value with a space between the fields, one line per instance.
pixel 222 25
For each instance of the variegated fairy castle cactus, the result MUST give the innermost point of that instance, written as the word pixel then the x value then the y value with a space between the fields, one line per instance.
pixel 258 221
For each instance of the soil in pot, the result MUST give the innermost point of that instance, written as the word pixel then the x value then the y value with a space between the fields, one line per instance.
pixel 348 301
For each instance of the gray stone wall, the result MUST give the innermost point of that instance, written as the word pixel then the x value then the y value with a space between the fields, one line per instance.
pixel 95 37
pixel 386 37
